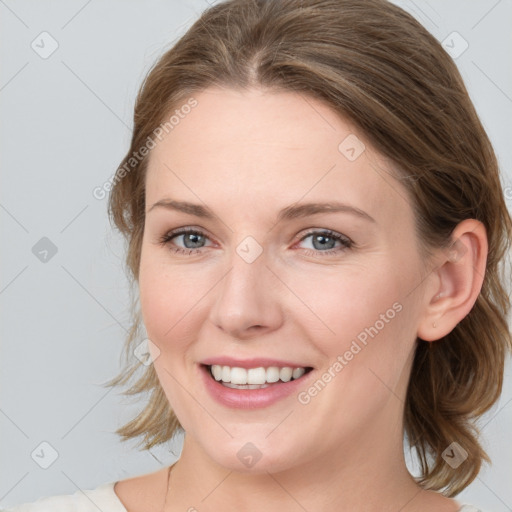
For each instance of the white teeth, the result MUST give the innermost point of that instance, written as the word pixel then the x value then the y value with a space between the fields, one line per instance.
pixel 246 386
pixel 298 372
pixel 272 374
pixel 217 372
pixel 285 374
pixel 239 376
pixel 254 376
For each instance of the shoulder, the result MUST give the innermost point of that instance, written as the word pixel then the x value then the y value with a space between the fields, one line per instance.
pixel 143 493
pixel 101 498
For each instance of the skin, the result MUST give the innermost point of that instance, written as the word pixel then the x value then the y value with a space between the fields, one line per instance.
pixel 246 155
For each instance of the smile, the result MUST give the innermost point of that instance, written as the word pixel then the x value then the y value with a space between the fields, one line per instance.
pixel 254 378
pixel 250 388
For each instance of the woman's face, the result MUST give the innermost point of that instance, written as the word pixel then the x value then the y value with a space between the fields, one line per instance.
pixel 266 281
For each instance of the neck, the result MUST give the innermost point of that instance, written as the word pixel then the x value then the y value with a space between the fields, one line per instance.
pixel 369 475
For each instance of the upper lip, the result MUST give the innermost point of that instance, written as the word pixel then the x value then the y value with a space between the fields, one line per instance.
pixel 255 362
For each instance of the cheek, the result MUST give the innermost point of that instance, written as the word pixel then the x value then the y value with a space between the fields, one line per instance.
pixel 365 337
pixel 167 305
pixel 362 324
pixel 156 291
pixel 346 303
pixel 170 309
pixel 172 299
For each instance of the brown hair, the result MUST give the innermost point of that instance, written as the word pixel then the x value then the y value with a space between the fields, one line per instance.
pixel 375 65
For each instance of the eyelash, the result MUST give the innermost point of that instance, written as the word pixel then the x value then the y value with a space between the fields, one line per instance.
pixel 347 242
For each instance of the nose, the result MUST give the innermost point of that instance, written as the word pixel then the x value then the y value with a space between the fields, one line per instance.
pixel 247 300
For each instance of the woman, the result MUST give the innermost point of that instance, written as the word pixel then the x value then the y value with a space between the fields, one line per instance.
pixel 318 235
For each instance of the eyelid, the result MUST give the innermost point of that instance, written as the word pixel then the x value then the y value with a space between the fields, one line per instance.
pixel 175 233
pixel 345 241
pixel 325 231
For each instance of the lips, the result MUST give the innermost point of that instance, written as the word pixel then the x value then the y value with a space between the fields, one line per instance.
pixel 251 396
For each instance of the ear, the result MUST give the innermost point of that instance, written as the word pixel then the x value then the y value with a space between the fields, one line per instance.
pixel 455 282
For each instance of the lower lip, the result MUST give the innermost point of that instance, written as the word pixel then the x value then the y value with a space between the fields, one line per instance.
pixel 250 398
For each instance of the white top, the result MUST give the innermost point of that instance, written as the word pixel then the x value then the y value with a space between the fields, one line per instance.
pixel 101 498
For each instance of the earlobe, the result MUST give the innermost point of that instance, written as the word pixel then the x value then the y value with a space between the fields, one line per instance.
pixel 457 280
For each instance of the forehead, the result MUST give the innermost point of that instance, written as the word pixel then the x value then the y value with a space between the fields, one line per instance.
pixel 256 145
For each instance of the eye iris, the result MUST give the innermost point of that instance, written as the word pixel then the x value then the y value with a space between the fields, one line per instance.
pixel 192 237
pixel 323 244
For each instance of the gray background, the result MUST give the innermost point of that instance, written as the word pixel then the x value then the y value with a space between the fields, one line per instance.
pixel 66 122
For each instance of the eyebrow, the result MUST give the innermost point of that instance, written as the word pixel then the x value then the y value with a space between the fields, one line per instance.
pixel 291 212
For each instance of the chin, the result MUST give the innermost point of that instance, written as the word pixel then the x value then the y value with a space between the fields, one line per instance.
pixel 255 457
